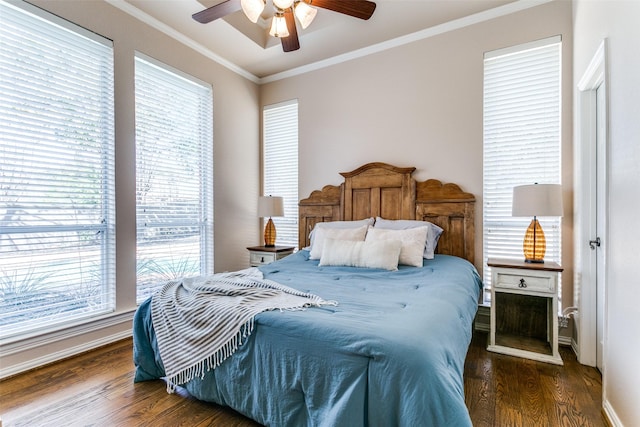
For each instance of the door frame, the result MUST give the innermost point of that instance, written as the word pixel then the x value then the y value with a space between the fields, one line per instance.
pixel 585 181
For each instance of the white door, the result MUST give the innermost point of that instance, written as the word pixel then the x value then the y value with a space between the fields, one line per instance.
pixel 601 215
pixel 590 212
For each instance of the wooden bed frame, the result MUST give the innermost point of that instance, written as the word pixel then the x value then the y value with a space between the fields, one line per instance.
pixel 379 189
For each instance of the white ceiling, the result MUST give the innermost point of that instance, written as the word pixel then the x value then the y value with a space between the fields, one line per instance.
pixel 246 47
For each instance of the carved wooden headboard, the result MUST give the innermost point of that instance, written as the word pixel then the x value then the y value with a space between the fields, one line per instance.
pixel 379 189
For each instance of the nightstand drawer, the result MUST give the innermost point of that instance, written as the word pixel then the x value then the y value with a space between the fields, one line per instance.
pixel 260 258
pixel 527 282
pixel 262 255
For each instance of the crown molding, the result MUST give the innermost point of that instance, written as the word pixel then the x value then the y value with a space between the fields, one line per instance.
pixel 456 24
pixel 178 36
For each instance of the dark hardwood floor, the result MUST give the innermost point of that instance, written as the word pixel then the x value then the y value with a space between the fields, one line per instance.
pixel 97 389
pixel 504 390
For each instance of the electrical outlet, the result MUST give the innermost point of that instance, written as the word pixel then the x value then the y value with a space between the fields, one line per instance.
pixel 563 322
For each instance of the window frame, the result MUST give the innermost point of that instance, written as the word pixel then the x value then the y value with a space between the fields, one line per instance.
pixel 198 134
pixel 516 134
pixel 280 165
pixel 75 133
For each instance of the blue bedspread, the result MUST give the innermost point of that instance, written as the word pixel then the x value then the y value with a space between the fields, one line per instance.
pixel 390 354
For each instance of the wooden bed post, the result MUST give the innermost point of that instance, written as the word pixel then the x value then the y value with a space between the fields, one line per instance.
pixel 447 206
pixel 321 206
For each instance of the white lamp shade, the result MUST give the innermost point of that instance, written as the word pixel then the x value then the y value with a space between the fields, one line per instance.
pixel 269 206
pixel 252 8
pixel 537 200
pixel 305 13
pixel 279 26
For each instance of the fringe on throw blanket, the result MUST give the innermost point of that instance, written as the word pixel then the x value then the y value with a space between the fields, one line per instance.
pixel 200 322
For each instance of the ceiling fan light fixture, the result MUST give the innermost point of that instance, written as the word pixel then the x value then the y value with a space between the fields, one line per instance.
pixel 305 13
pixel 279 26
pixel 283 24
pixel 253 9
pixel 283 4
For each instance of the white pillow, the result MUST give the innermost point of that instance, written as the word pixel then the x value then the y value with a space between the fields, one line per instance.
pixel 323 233
pixel 413 242
pixel 403 224
pixel 338 224
pixel 372 254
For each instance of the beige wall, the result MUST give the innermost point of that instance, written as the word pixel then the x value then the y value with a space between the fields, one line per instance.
pixel 617 22
pixel 236 176
pixel 421 105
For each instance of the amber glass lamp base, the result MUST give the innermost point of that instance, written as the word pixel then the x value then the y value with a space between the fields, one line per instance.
pixel 270 233
pixel 534 245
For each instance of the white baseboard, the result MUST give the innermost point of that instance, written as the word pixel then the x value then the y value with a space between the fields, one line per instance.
pixel 484 327
pixel 19 354
pixel 564 340
pixel 575 348
pixel 611 415
pixel 63 354
pixel 483 319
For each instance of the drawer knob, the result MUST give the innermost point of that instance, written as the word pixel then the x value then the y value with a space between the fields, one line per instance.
pixel 262 259
pixel 522 284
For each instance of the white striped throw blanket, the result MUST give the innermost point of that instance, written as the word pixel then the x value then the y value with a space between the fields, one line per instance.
pixel 199 322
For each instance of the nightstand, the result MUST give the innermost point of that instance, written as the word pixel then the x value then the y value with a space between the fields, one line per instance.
pixel 531 285
pixel 261 255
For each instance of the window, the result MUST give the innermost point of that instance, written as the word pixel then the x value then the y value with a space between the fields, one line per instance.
pixel 280 166
pixel 522 100
pixel 174 175
pixel 57 219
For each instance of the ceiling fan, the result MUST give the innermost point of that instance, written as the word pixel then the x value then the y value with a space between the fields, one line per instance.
pixel 283 24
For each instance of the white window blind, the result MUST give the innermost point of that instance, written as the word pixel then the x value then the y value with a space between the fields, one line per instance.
pixel 174 175
pixel 280 166
pixel 57 203
pixel 522 89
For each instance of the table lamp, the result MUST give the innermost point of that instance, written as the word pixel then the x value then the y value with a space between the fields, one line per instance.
pixel 269 206
pixel 536 200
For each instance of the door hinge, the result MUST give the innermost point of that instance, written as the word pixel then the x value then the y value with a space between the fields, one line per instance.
pixel 593 244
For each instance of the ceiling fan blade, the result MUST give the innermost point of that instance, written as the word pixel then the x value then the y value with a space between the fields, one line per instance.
pixel 221 10
pixel 362 9
pixel 291 42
